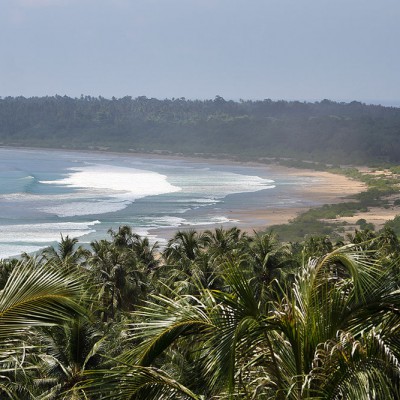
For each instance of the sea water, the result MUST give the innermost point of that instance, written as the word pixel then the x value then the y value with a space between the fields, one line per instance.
pixel 45 193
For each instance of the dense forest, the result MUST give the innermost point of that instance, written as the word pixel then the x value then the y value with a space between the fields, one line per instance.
pixel 214 315
pixel 322 131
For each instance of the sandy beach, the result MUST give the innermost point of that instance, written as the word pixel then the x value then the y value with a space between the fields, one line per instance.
pixel 317 188
pixel 328 189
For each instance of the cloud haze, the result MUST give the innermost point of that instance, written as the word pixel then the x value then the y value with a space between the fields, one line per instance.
pixel 309 49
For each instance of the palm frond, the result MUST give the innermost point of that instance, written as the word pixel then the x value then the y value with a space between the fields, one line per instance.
pixel 38 295
pixel 135 382
pixel 352 368
pixel 164 321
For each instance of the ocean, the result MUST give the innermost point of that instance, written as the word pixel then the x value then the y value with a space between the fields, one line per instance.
pixel 46 193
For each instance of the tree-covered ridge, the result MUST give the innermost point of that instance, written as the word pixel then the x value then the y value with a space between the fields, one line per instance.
pixel 214 315
pixel 323 131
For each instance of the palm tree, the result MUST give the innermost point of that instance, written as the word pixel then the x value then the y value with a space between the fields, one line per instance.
pixel 221 243
pixel 67 253
pixel 317 246
pixel 192 259
pixel 145 253
pixel 35 295
pixel 124 237
pixel 269 259
pixel 6 267
pixel 121 284
pixel 184 247
pixel 38 295
pixel 67 351
pixel 332 333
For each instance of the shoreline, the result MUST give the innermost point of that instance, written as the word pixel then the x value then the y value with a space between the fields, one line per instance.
pixel 327 188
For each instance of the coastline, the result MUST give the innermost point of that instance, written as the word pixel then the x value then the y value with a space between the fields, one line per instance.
pixel 327 188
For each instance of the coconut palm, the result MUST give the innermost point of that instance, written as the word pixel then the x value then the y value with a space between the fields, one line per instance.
pixel 317 246
pixel 38 295
pixel 121 281
pixel 145 253
pixel 67 350
pixel 184 247
pixel 67 253
pixel 388 243
pixel 123 237
pixel 332 333
pixel 222 243
pixel 190 278
pixel 6 267
pixel 269 260
pixel 35 295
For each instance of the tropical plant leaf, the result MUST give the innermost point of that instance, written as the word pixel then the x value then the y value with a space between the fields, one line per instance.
pixel 38 295
pixel 135 382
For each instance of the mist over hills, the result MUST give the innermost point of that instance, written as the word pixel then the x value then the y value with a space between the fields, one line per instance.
pixel 325 131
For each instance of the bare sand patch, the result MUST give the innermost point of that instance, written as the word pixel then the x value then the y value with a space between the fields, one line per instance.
pixel 375 215
pixel 326 188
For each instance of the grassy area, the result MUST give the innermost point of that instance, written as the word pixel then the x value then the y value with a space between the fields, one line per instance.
pixel 381 184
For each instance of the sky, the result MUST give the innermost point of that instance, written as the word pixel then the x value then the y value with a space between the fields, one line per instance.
pixel 309 50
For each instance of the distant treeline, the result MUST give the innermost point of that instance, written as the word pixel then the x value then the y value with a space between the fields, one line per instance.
pixel 322 131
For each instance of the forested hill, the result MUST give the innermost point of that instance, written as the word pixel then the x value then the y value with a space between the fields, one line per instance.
pixel 321 131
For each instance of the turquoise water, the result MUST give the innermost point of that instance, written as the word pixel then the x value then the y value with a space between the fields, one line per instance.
pixel 44 193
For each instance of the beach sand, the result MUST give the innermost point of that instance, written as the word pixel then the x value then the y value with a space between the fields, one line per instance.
pixel 328 189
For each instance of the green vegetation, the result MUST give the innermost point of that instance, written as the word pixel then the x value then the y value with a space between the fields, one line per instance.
pixel 394 225
pixel 214 315
pixel 323 132
pixel 317 221
pixel 217 314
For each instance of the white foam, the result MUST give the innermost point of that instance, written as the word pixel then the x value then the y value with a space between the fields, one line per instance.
pixel 219 185
pixel 161 242
pixel 211 221
pixel 165 222
pixel 80 208
pixel 25 197
pixel 128 183
pixel 15 250
pixel 106 188
pixel 176 222
pixel 152 238
pixel 200 201
pixel 29 238
pixel 44 233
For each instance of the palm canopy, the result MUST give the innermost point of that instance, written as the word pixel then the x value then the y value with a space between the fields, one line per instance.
pixel 38 295
pixel 184 246
pixel 332 333
pixel 221 243
pixel 67 351
pixel 66 255
pixel 35 295
pixel 121 279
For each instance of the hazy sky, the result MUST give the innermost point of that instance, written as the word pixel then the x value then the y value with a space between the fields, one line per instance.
pixel 251 49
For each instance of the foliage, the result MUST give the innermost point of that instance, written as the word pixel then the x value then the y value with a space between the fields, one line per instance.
pixel 35 295
pixel 215 315
pixel 322 132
